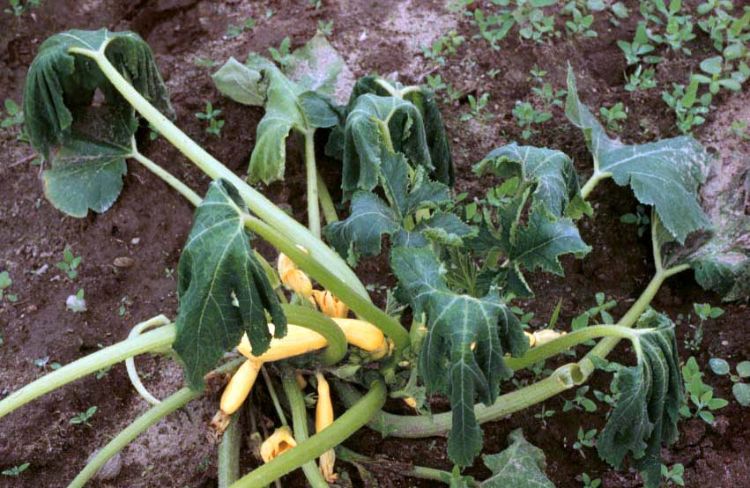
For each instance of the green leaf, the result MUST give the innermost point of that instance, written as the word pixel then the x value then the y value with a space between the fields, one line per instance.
pixel 520 465
pixel 446 229
pixel 719 366
pixel 741 392
pixel 743 367
pixel 318 67
pixel 86 171
pixel 424 100
pixel 721 258
pixel 550 172
pixel 361 233
pixel 218 267
pixel 240 83
pixel 59 83
pixel 462 353
pixel 665 174
pixel 646 411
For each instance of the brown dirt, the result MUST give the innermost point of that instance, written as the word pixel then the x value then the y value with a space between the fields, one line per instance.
pixel 150 222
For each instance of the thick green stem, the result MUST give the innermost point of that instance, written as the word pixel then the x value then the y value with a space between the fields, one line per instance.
pixel 361 306
pixel 170 180
pixel 323 325
pixel 326 202
pixel 299 421
pixel 567 342
pixel 228 470
pixel 593 181
pixel 258 204
pixel 313 208
pixel 141 424
pixel 352 420
pixel 148 342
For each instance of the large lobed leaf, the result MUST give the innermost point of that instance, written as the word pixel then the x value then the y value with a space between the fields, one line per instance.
pixel 371 217
pixel 520 465
pixel 665 174
pixel 462 353
pixel 86 146
pixel 646 411
pixel 550 172
pixel 218 268
pixel 721 258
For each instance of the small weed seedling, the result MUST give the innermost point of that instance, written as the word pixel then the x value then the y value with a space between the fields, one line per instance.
pixel 704 312
pixel 527 117
pixel 237 30
pixel 641 79
pixel 325 27
pixel 580 24
pixel 590 483
pixel 674 474
pixel 640 219
pixel 76 303
pixel 443 46
pixel 740 389
pixel 584 439
pixel 739 130
pixel 699 394
pixel 211 115
pixel 84 417
pixel 69 263
pixel 5 283
pixel 640 49
pixel 13 114
pixel 280 54
pixel 613 116
pixel 580 402
pixel 18 7
pixel 544 414
pixel 477 108
pixel 16 471
pixel 690 110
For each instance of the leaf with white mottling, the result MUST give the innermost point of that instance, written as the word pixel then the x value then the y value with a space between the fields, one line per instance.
pixel 520 465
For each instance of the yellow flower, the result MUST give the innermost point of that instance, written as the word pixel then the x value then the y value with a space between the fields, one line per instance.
pixel 324 418
pixel 278 443
pixel 543 336
pixel 330 305
pixel 292 277
pixel 411 402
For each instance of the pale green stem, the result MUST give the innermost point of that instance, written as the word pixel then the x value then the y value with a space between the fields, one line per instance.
pixel 313 207
pixel 228 470
pixel 178 185
pixel 175 401
pixel 593 181
pixel 299 421
pixel 341 429
pixel 135 380
pixel 151 341
pixel 258 204
pixel 274 397
pixel 326 202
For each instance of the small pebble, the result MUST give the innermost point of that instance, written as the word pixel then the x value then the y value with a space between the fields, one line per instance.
pixel 111 468
pixel 124 262
pixel 135 240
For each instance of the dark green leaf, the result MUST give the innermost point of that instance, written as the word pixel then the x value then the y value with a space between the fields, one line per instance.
pixel 86 171
pixel 59 83
pixel 646 411
pixel 520 465
pixel 550 172
pixel 362 231
pixel 665 174
pixel 222 288
pixel 462 354
pixel 446 229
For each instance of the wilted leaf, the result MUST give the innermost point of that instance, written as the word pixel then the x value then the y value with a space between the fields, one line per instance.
pixel 58 83
pixel 218 267
pixel 318 67
pixel 240 83
pixel 462 353
pixel 646 411
pixel 520 465
pixel 665 174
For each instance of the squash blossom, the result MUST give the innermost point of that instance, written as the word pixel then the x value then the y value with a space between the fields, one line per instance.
pixel 278 443
pixel 292 277
pixel 324 418
pixel 543 336
pixel 329 304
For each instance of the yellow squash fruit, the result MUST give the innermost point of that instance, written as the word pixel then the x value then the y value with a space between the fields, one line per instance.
pixel 278 443
pixel 365 336
pixel 298 340
pixel 324 418
pixel 292 277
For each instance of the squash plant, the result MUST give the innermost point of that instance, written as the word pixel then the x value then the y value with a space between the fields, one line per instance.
pixel 458 276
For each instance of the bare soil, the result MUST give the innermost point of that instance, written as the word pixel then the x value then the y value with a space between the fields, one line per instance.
pixel 149 223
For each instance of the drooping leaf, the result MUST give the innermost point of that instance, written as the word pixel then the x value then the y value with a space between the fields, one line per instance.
pixel 441 159
pixel 318 67
pixel 86 171
pixel 646 411
pixel 550 172
pixel 374 124
pixel 371 217
pixel 240 83
pixel 462 353
pixel 59 83
pixel 222 289
pixel 665 174
pixel 720 258
pixel 520 465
